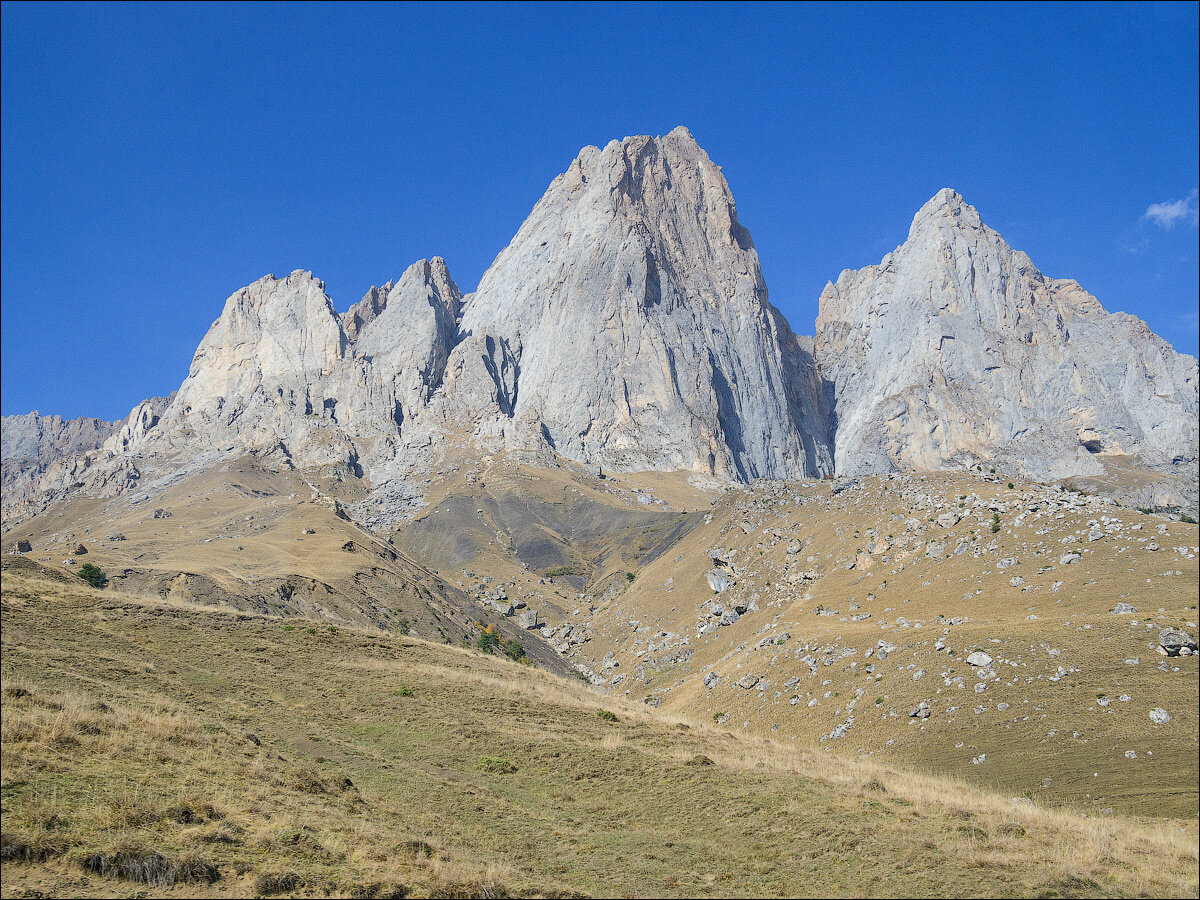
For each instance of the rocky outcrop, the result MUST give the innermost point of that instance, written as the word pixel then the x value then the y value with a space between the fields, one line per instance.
pixel 137 424
pixel 264 378
pixel 631 309
pixel 956 350
pixel 45 457
pixel 36 440
pixel 33 443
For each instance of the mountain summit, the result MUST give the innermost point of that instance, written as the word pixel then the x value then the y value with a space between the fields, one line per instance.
pixel 956 350
pixel 633 306
pixel 627 325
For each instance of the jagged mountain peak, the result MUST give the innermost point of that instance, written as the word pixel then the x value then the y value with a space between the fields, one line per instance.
pixel 632 305
pixel 429 278
pixel 627 324
pixel 947 199
pixel 947 216
pixel 956 349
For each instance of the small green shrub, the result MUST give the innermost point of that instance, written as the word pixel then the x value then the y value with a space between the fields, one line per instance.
pixel 495 765
pixel 515 651
pixel 403 626
pixel 629 576
pixel 403 691
pixel 487 641
pixel 607 716
pixel 93 575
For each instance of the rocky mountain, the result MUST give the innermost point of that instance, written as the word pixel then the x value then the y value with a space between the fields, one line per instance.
pixel 956 350
pixel 32 443
pixel 627 326
pixel 633 307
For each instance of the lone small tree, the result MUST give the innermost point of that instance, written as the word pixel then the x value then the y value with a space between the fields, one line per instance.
pixel 93 575
pixel 488 638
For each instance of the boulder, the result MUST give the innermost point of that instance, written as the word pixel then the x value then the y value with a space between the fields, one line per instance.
pixel 718 580
pixel 1177 643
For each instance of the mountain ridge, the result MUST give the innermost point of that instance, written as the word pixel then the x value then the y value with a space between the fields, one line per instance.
pixel 627 326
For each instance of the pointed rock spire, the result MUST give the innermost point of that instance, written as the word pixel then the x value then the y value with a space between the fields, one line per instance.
pixel 647 338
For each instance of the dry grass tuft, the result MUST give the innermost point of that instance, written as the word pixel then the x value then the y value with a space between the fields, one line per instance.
pixel 378 890
pixel 135 862
pixel 37 846
pixel 269 884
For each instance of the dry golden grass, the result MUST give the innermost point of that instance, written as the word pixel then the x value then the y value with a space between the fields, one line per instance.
pixel 126 754
pixel 1030 731
pixel 156 797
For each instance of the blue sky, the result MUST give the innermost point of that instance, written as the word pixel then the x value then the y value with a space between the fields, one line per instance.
pixel 156 158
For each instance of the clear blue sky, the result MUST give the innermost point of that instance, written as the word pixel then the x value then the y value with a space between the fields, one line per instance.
pixel 156 158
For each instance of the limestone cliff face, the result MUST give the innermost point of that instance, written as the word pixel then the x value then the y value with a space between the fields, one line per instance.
pixel 632 309
pixel 955 349
pixel 627 324
pixel 46 457
pixel 280 372
pixel 32 444
pixel 264 378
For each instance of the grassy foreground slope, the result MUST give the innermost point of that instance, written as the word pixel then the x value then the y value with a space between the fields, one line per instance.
pixel 210 753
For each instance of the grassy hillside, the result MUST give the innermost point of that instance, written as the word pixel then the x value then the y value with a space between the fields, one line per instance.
pixel 822 578
pixel 931 569
pixel 242 536
pixel 200 752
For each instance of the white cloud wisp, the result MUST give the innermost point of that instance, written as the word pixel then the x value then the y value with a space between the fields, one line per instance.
pixel 1170 213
